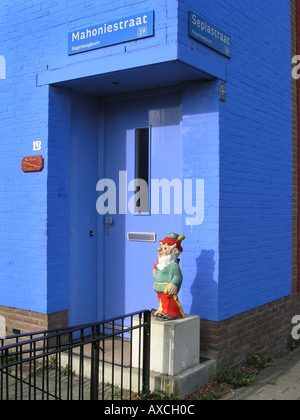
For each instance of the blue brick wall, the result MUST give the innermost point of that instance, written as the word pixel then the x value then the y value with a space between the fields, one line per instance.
pixel 200 259
pixel 240 257
pixel 255 153
pixel 34 229
pixel 256 161
pixel 23 197
pixel 58 199
pixel 62 17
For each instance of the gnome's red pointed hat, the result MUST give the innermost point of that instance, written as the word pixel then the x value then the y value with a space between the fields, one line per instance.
pixel 174 239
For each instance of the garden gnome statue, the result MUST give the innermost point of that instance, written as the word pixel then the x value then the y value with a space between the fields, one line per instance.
pixel 168 278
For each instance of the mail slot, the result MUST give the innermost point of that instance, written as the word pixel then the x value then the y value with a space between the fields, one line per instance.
pixel 141 237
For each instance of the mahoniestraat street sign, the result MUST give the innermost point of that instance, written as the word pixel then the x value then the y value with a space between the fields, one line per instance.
pixel 111 33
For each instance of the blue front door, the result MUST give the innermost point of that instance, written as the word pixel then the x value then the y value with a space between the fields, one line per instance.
pixel 143 140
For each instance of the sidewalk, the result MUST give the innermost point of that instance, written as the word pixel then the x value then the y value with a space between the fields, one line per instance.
pixel 278 382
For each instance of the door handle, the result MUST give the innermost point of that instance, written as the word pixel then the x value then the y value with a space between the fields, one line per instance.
pixel 108 221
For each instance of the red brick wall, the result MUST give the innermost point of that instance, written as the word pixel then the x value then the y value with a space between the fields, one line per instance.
pixel 28 321
pixel 265 330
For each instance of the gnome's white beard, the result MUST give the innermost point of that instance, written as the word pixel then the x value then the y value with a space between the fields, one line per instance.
pixel 166 260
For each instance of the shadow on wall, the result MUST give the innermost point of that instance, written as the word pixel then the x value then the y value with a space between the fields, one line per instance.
pixel 204 289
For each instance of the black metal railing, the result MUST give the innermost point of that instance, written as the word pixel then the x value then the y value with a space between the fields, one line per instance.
pixel 106 360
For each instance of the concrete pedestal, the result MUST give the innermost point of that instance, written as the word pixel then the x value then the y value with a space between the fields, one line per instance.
pixel 175 356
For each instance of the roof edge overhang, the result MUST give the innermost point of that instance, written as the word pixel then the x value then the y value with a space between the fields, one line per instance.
pixel 136 70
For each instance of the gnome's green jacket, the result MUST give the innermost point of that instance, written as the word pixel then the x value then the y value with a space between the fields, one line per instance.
pixel 171 274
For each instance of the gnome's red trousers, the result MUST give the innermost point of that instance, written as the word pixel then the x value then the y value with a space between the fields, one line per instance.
pixel 169 305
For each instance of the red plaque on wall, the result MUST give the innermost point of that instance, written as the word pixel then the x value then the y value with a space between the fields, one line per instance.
pixel 33 164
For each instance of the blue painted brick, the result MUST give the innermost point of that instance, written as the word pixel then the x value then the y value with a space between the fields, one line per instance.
pixel 240 257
